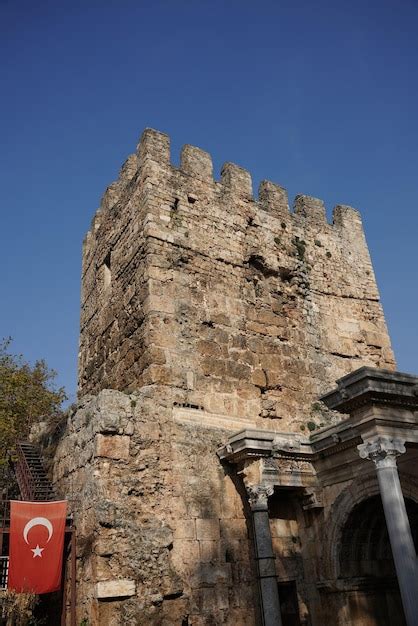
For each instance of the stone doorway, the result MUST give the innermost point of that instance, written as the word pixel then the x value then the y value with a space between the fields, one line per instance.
pixel 368 589
pixel 289 606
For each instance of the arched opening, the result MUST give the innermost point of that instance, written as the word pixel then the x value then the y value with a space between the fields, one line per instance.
pixel 366 566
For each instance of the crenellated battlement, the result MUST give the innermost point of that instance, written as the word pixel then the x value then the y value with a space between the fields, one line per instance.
pixel 153 158
pixel 244 305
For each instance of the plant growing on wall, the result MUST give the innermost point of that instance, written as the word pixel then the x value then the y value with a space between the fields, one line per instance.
pixel 17 609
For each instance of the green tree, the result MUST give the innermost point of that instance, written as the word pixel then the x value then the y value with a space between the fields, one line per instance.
pixel 27 395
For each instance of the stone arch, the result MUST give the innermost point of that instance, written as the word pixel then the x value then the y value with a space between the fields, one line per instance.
pixel 360 490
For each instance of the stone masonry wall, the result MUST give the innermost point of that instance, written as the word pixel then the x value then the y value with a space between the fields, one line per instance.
pixel 162 533
pixel 192 283
pixel 204 311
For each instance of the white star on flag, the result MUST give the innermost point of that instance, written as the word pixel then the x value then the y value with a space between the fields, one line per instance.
pixel 37 551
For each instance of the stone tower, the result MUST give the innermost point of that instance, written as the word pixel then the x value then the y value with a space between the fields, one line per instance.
pixel 205 311
pixel 244 308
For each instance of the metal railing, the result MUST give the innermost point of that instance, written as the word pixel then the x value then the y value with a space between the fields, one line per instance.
pixel 30 474
pixel 4 572
pixel 4 513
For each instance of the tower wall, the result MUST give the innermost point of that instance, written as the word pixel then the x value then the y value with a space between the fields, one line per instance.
pixel 204 311
pixel 248 308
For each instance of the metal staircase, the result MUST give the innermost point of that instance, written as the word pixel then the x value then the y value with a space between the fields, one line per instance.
pixel 30 474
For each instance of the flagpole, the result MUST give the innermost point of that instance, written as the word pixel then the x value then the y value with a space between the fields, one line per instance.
pixel 64 594
pixel 73 577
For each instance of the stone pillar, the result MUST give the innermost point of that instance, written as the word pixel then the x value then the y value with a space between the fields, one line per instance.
pixel 267 579
pixel 383 452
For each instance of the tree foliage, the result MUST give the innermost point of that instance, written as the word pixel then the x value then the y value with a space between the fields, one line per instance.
pixel 27 395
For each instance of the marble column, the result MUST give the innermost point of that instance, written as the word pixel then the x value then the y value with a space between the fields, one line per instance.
pixel 267 579
pixel 383 451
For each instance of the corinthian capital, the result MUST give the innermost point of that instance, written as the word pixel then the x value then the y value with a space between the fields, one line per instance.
pixel 382 450
pixel 258 495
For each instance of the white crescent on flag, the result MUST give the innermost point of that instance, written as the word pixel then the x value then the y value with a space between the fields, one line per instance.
pixel 38 521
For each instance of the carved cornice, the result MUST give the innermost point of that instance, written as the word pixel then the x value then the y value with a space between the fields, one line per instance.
pixel 256 443
pixel 288 464
pixel 336 446
pixel 294 460
pixel 282 444
pixel 369 385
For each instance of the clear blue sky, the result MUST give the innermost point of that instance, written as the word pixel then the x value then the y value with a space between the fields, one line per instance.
pixel 321 97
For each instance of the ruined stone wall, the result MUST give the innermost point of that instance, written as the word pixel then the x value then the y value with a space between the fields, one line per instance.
pixel 163 538
pixel 192 283
pixel 204 311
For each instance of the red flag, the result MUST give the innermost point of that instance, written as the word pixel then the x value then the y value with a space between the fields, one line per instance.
pixel 36 545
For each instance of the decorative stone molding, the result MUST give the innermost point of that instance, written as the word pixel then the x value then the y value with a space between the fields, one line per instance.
pixel 286 444
pixel 343 392
pixel 258 495
pixel 382 450
pixel 311 499
pixel 370 385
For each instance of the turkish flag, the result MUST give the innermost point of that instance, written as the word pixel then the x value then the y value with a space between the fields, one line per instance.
pixel 36 545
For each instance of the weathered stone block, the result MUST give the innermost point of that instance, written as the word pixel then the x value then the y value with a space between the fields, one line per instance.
pixel 187 551
pixel 287 567
pixel 285 546
pixel 280 527
pixel 273 198
pixel 118 588
pixel 214 599
pixel 113 446
pixel 103 568
pixel 234 529
pixel 209 574
pixel 207 529
pixel 105 546
pixel 113 410
pixel 258 377
pixel 196 162
pixel 209 551
pixel 185 529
